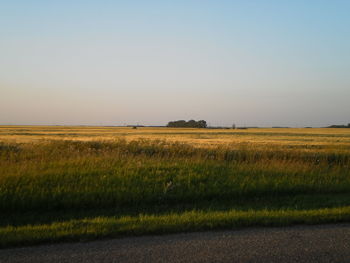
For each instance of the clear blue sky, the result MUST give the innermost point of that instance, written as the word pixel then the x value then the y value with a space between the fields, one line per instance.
pixel 257 63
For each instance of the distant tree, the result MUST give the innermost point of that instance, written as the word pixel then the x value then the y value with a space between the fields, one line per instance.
pixel 233 126
pixel 339 126
pixel 187 124
pixel 180 123
pixel 192 124
pixel 202 124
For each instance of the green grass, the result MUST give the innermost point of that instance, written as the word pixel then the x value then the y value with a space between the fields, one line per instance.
pixel 66 190
pixel 89 229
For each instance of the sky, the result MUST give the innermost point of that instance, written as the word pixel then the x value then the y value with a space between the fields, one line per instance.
pixel 252 63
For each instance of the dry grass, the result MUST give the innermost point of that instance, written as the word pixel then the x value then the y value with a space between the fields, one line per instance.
pixel 324 137
pixel 53 179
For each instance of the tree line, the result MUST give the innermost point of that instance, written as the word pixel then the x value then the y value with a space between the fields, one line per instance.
pixel 339 126
pixel 187 124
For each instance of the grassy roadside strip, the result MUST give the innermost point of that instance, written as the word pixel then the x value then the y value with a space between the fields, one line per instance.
pixel 90 229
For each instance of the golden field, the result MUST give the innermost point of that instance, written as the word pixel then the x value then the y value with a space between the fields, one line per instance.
pixel 65 183
pixel 308 137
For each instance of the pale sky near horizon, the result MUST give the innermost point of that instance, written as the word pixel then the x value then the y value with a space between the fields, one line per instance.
pixel 253 63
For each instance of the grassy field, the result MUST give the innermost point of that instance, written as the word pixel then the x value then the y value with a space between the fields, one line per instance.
pixel 81 183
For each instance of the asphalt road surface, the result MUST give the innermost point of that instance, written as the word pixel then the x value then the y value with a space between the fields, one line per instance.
pixel 323 243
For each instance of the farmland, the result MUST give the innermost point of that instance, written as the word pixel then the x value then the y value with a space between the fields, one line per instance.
pixel 79 183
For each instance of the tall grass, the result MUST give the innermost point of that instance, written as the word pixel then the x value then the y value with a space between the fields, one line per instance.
pixel 65 176
pixel 69 175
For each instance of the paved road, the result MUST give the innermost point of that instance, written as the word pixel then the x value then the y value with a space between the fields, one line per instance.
pixel 325 243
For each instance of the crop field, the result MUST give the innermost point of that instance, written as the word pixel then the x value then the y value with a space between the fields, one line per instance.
pixel 81 183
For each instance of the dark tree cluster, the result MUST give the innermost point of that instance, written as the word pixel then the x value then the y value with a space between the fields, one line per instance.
pixel 187 124
pixel 339 126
